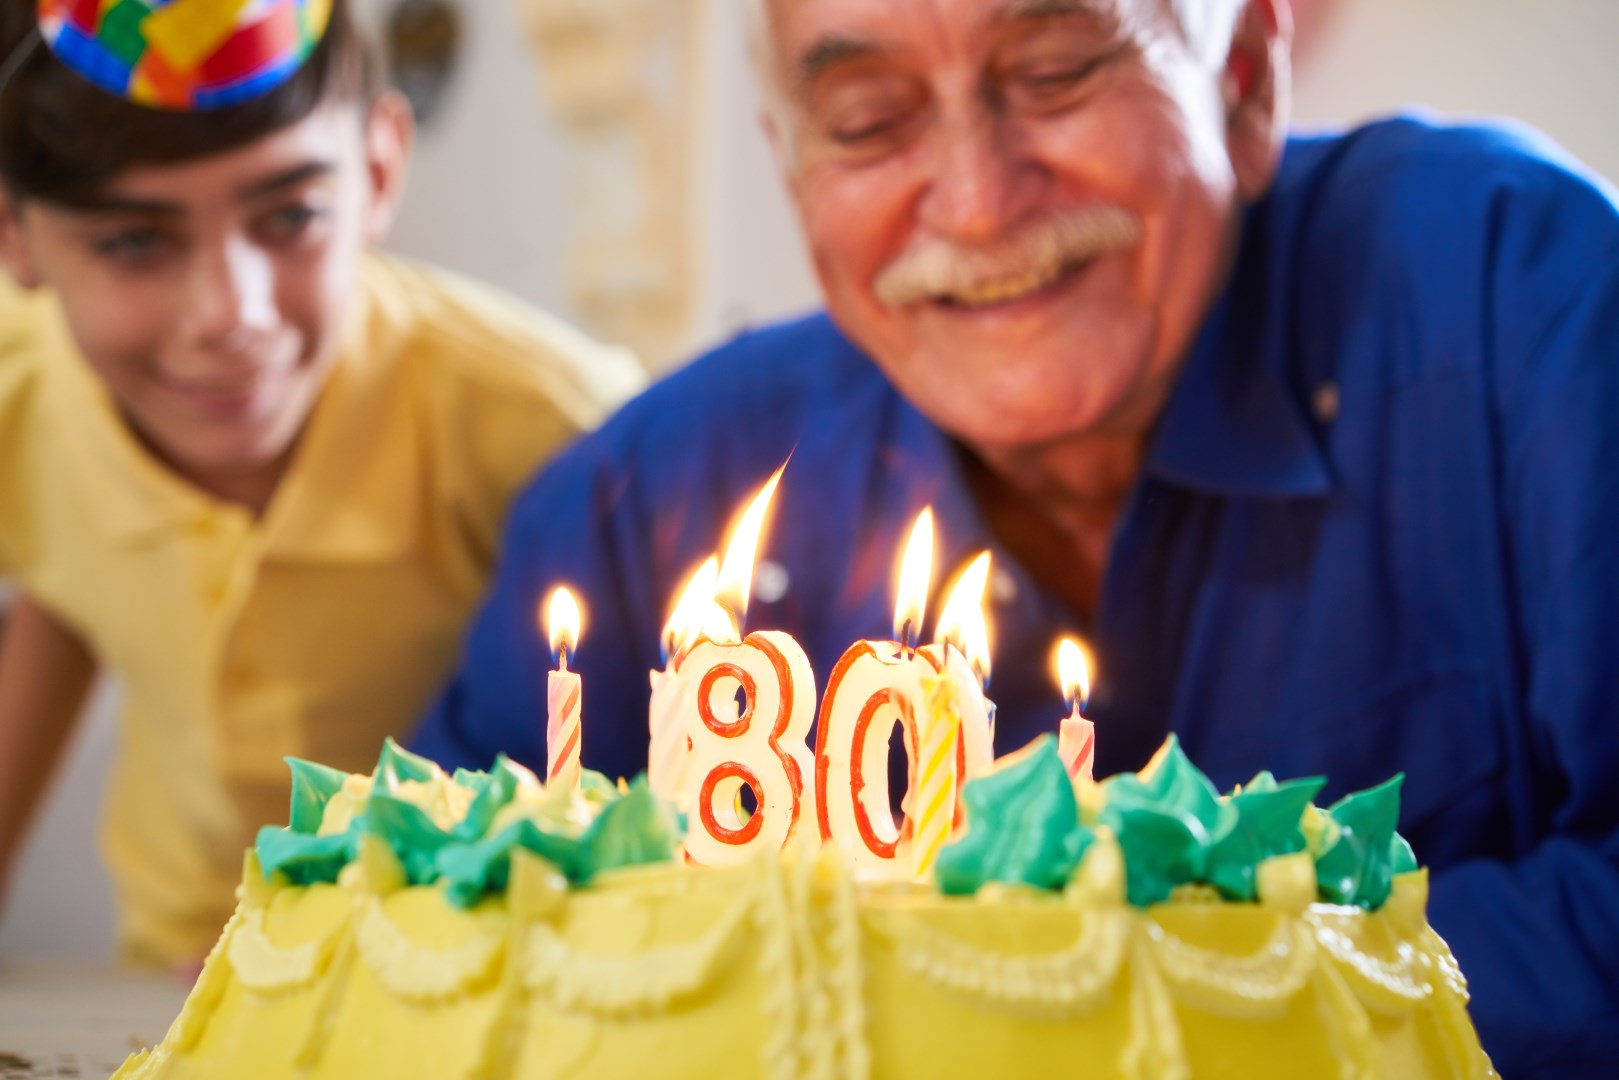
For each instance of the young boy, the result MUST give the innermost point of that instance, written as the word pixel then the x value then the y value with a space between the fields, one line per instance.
pixel 249 469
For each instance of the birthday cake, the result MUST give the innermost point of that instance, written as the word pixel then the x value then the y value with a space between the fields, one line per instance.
pixel 417 924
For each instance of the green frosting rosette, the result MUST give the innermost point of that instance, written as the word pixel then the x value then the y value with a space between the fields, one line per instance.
pixel 1165 819
pixel 633 829
pixel 600 827
pixel 1022 827
pixel 1173 828
pixel 1263 824
pixel 1360 862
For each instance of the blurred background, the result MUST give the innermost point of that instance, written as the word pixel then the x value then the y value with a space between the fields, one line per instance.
pixel 601 158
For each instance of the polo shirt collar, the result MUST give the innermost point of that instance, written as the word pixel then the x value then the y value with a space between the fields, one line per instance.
pixel 1234 424
pixel 352 492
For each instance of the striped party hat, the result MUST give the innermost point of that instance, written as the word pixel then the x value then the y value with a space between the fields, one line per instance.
pixel 184 54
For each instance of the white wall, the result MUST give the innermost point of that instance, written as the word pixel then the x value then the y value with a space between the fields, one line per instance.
pixel 488 176
pixel 1548 62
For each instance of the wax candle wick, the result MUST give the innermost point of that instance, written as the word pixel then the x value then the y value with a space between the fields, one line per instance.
pixel 562 658
pixel 733 612
pixel 907 637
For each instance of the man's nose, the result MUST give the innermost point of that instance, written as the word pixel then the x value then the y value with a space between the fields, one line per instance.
pixel 231 296
pixel 979 180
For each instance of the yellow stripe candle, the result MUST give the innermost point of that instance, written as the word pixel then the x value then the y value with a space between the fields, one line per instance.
pixel 934 802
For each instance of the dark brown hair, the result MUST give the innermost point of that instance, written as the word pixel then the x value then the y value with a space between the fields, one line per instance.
pixel 62 139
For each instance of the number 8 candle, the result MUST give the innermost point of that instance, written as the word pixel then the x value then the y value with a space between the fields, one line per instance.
pixel 563 693
pixel 762 747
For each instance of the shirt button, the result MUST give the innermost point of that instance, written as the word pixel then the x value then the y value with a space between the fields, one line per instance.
pixel 1003 586
pixel 770 582
pixel 1325 402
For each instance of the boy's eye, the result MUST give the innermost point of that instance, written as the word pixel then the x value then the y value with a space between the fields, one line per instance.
pixel 134 245
pixel 292 221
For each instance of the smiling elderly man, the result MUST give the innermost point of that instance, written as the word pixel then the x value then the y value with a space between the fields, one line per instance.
pixel 1313 438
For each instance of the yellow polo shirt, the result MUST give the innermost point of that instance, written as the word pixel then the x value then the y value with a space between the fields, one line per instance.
pixel 313 631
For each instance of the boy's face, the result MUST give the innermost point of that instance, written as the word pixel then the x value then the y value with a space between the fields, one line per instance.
pixel 210 296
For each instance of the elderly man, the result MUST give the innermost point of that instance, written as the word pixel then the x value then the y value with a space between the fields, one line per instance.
pixel 1313 438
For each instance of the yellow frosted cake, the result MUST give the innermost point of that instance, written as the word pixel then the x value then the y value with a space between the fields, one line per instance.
pixel 414 924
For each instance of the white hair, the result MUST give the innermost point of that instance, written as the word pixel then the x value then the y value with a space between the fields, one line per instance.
pixel 1208 24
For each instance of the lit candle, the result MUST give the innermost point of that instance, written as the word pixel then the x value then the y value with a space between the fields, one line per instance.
pixel 674 695
pixel 962 647
pixel 939 737
pixel 762 746
pixel 1076 738
pixel 875 687
pixel 564 691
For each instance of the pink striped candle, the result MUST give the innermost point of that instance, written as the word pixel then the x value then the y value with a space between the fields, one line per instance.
pixel 563 694
pixel 1076 737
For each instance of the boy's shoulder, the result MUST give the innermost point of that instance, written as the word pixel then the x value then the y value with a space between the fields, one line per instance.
pixel 460 337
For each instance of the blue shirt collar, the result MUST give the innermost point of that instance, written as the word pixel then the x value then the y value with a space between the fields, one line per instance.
pixel 1235 424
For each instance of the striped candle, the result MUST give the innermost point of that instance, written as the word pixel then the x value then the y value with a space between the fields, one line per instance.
pixel 934 801
pixel 1076 736
pixel 1076 746
pixel 563 691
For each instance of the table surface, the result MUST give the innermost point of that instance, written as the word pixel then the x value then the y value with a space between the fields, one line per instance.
pixel 79 1021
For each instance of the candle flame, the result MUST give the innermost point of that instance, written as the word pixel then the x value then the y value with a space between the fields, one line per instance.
pixel 563 623
pixel 962 622
pixel 696 613
pixel 735 584
pixel 915 574
pixel 1074 672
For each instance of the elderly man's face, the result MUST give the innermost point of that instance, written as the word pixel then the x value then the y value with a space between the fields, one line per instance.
pixel 1020 208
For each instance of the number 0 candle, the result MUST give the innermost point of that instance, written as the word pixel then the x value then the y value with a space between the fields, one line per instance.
pixel 875 687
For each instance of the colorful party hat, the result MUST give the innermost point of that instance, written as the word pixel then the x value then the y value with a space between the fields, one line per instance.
pixel 184 54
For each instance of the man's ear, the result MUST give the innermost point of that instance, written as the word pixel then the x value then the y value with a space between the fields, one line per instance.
pixel 14 252
pixel 390 129
pixel 781 147
pixel 1257 89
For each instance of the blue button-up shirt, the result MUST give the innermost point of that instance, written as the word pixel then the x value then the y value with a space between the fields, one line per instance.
pixel 1377 531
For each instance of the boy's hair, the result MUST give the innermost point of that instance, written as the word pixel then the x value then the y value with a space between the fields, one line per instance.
pixel 62 139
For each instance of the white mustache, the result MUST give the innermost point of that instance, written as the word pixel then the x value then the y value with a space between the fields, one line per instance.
pixel 1042 249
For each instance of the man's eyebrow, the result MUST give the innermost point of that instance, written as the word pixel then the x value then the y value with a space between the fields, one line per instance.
pixel 1016 10
pixel 828 53
pixel 288 178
